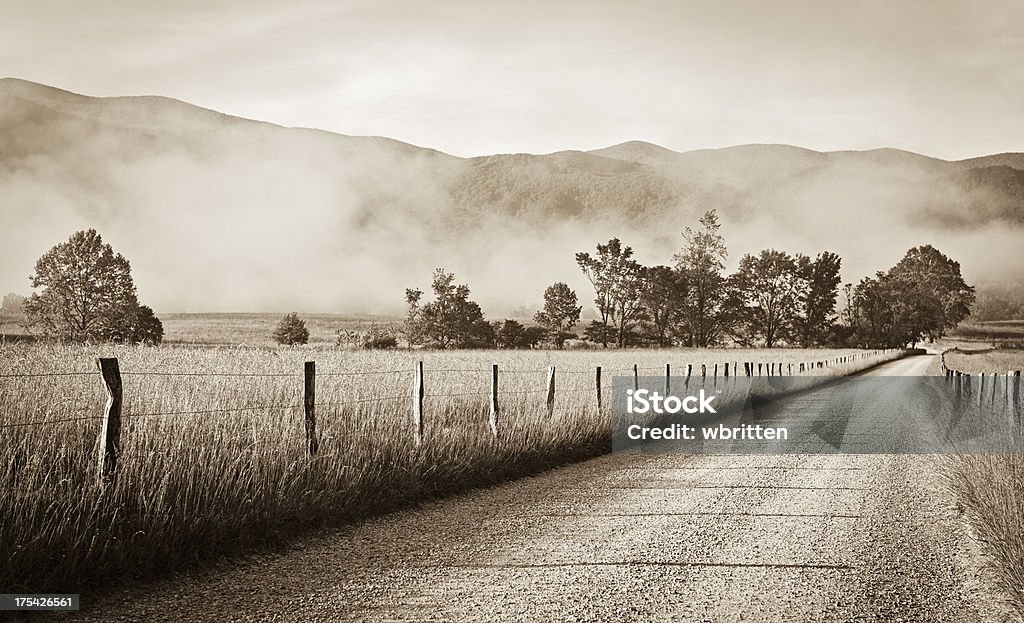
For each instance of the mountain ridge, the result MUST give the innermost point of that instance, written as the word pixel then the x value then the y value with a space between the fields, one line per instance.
pixel 260 202
pixel 29 87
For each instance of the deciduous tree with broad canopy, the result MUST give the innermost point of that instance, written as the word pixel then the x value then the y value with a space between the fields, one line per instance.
pixel 451 320
pixel 560 314
pixel 86 294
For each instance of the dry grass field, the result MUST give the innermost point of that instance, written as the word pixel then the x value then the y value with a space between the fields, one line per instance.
pixel 213 452
pixel 986 361
pixel 998 331
pixel 990 488
pixel 255 329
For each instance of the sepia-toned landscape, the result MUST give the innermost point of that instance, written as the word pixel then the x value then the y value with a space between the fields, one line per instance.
pixel 330 311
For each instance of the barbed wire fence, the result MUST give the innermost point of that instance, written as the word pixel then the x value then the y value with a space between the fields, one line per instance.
pixel 113 411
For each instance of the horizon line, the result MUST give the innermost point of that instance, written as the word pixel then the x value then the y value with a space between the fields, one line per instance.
pixel 509 153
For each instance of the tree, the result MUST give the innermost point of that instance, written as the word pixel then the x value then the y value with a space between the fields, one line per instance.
pixel 618 284
pixel 879 320
pixel 561 312
pixel 451 320
pixel 148 328
pixel 921 297
pixel 600 332
pixel 701 261
pixel 87 294
pixel 767 289
pixel 663 301
pixel 291 330
pixel 816 308
pixel 510 334
pixel 533 336
pixel 939 298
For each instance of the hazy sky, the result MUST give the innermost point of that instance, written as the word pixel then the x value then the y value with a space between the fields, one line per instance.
pixel 477 77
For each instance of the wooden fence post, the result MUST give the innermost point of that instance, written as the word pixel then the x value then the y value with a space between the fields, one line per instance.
pixel 598 380
pixel 110 435
pixel 494 399
pixel 1016 389
pixel 759 369
pixel 727 369
pixel 417 403
pixel 551 391
pixel 703 372
pixel 668 379
pixel 312 444
pixel 636 379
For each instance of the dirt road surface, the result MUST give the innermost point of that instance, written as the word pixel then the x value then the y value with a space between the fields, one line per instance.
pixel 624 538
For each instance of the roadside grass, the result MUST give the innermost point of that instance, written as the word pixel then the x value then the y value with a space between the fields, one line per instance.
pixel 990 488
pixel 197 483
pixel 976 361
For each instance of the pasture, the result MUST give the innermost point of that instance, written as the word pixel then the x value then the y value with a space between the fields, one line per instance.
pixel 979 360
pixel 989 332
pixel 213 458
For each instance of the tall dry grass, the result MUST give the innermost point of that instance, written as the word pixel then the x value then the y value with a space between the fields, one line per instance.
pixel 214 463
pixel 990 488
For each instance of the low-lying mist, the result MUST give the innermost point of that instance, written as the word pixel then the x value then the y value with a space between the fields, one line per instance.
pixel 218 214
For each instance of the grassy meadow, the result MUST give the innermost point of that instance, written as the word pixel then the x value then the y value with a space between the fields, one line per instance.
pixel 977 361
pixel 990 332
pixel 213 454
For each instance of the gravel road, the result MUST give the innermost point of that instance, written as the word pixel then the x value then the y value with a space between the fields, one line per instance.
pixel 624 538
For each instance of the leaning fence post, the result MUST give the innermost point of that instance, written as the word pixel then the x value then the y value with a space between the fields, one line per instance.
pixel 312 445
pixel 598 382
pixel 417 403
pixel 494 399
pixel 110 436
pixel 551 391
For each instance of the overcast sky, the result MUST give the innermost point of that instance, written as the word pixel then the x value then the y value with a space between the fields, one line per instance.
pixel 478 77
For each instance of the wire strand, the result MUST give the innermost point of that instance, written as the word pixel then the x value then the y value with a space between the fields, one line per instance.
pixel 43 422
pixel 46 374
pixel 206 411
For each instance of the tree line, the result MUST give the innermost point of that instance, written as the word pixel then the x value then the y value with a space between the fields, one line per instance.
pixel 772 299
pixel 86 293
